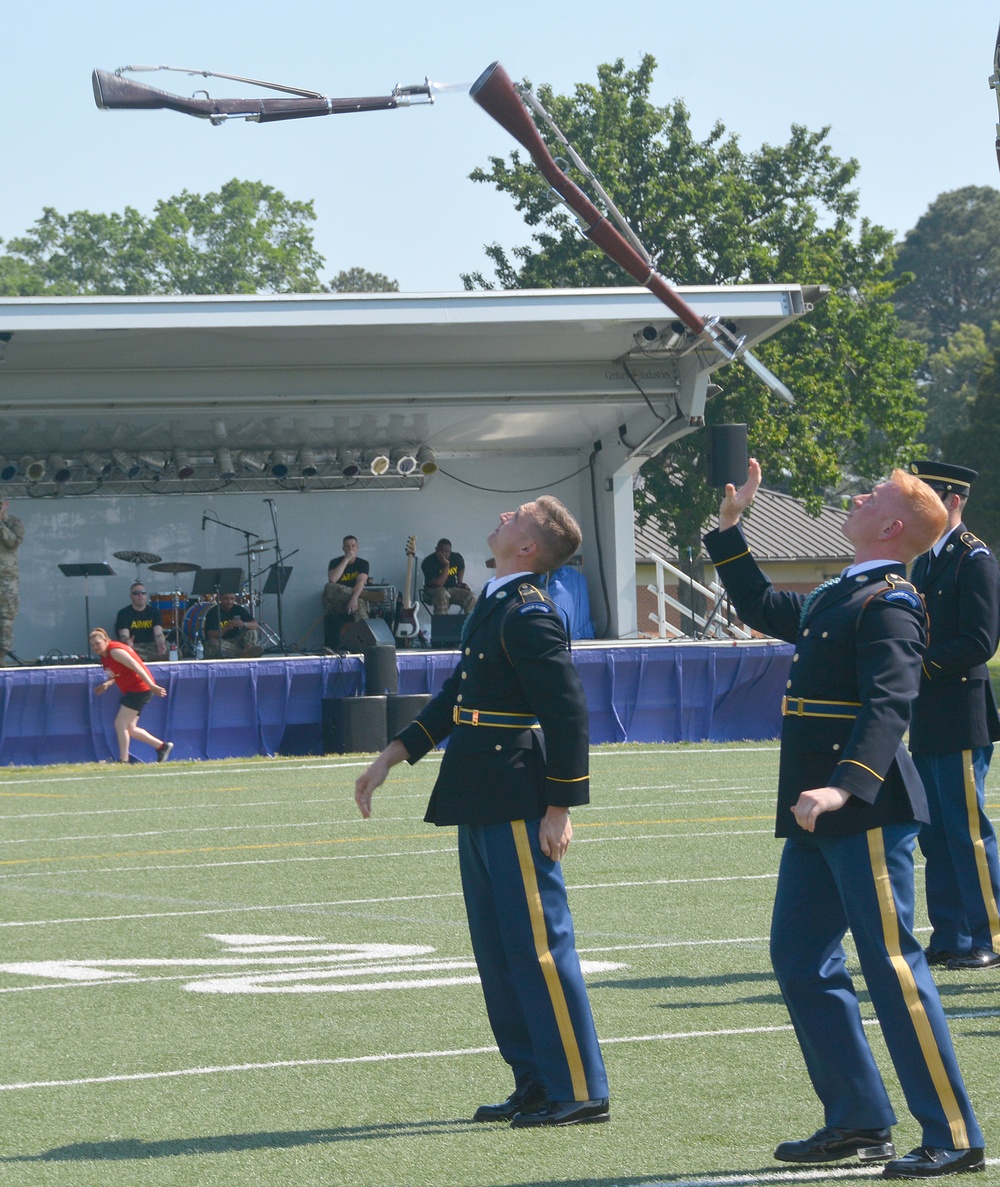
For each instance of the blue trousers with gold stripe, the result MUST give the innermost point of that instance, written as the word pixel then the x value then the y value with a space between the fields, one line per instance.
pixel 522 937
pixel 865 882
pixel 960 845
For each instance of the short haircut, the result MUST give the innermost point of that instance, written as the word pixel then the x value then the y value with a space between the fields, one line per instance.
pixel 135 585
pixel 349 537
pixel 556 533
pixel 926 517
pixel 441 542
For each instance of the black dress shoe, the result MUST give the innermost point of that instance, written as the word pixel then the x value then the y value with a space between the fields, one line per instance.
pixel 531 1096
pixel 563 1112
pixel 830 1145
pixel 938 955
pixel 975 958
pixel 930 1162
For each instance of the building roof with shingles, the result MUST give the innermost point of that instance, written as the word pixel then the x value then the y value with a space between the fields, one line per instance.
pixel 777 529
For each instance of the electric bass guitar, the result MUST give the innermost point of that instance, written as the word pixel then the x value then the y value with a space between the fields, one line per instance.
pixel 408 625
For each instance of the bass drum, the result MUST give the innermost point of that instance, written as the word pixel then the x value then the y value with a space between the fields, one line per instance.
pixel 193 627
pixel 164 602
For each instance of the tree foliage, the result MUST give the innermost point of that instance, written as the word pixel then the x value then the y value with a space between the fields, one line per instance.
pixel 710 212
pixel 976 446
pixel 953 254
pixel 359 280
pixel 246 238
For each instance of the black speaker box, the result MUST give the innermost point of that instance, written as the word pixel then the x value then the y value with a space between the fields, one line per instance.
pixel 727 455
pixel 381 673
pixel 369 632
pixel 446 630
pixel 354 725
pixel 402 710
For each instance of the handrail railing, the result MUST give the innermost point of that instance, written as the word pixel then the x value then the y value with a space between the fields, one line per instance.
pixel 718 623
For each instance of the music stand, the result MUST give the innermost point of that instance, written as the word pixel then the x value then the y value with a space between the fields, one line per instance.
pixel 275 584
pixel 88 569
pixel 217 581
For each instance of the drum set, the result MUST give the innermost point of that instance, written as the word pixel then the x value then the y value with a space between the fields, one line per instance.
pixel 184 615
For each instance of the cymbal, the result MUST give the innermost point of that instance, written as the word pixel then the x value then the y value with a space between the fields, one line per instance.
pixel 136 558
pixel 174 567
pixel 260 546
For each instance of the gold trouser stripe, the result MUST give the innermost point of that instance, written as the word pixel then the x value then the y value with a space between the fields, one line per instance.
pixel 911 995
pixel 982 866
pixel 549 972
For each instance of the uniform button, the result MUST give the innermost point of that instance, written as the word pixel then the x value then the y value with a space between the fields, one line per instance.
pixel 468 650
pixel 964 678
pixel 795 659
pixel 459 697
pixel 836 745
pixel 788 684
pixel 481 655
pixel 498 747
pixel 805 632
pixel 826 634
pixel 465 675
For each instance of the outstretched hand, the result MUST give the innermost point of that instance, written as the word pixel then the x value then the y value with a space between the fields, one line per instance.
pixel 734 501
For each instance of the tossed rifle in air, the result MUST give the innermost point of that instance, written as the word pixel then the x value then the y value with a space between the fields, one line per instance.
pixel 114 92
pixel 995 84
pixel 509 105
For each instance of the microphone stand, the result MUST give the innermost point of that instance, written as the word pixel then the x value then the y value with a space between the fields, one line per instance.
pixel 250 537
pixel 279 565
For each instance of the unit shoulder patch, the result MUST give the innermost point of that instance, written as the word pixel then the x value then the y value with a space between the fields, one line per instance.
pixel 904 596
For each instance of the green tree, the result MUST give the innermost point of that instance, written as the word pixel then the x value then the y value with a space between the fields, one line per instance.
pixel 359 280
pixel 710 212
pixel 976 446
pixel 246 238
pixel 953 254
pixel 950 389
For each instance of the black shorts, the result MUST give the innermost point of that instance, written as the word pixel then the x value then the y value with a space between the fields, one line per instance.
pixel 136 700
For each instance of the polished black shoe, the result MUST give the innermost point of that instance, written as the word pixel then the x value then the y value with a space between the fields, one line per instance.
pixel 830 1145
pixel 563 1112
pixel 532 1096
pixel 938 955
pixel 975 958
pixel 930 1162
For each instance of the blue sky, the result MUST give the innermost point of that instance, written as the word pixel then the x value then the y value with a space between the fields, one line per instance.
pixel 903 86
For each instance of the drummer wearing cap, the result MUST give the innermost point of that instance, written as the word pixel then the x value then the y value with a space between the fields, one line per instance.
pixel 140 626
pixel 954 726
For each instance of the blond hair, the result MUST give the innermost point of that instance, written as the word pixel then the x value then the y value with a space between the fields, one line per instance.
pixel 556 533
pixel 924 518
pixel 99 630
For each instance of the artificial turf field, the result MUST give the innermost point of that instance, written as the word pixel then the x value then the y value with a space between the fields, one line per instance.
pixel 217 973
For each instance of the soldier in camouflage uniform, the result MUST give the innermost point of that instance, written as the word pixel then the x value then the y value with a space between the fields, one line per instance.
pixel 11 535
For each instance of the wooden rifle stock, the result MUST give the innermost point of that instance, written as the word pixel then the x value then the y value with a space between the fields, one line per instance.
pixel 112 92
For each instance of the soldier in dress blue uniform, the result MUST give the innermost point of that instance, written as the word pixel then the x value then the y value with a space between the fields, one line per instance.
pixel 954 726
pixel 849 802
pixel 515 717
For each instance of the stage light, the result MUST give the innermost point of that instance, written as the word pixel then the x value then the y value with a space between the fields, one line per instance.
pixel 128 465
pixel 403 461
pixel 96 464
pixel 224 463
pixel 377 461
pixel 350 466
pixel 155 461
pixel 32 469
pixel 254 461
pixel 182 464
pixel 8 470
pixel 279 464
pixel 426 460
pixel 60 470
pixel 307 463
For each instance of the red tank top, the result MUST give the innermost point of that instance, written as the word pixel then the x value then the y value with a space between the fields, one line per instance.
pixel 125 679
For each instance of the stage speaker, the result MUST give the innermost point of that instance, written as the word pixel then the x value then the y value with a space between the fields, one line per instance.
pixel 369 632
pixel 727 455
pixel 402 710
pixel 354 725
pixel 381 673
pixel 446 630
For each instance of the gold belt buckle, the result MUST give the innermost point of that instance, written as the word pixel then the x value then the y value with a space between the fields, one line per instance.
pixel 475 716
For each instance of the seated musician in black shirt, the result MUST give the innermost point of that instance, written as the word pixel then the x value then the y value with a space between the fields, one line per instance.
pixel 231 631
pixel 140 626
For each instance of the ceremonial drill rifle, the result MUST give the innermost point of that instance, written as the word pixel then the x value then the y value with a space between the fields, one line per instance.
pixel 508 105
pixel 995 84
pixel 114 92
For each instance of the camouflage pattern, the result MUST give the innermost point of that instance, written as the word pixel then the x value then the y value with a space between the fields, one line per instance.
pixel 11 536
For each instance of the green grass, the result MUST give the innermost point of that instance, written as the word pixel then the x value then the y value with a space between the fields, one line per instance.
pixel 301 1067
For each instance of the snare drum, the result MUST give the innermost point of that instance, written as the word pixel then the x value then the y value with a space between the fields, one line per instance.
pixel 194 621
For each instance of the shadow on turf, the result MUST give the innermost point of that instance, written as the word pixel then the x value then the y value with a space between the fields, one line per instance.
pixel 132 1149
pixel 722 981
